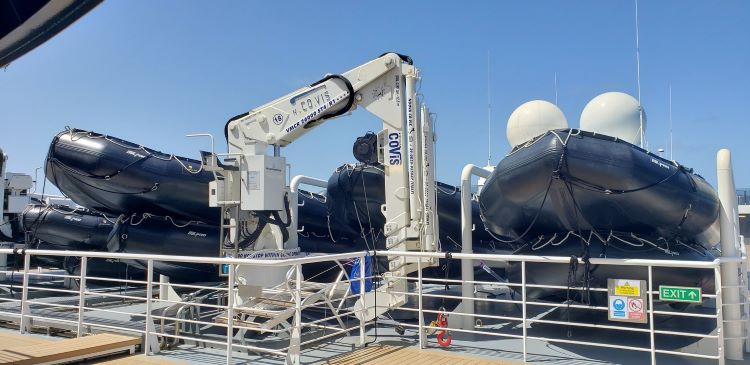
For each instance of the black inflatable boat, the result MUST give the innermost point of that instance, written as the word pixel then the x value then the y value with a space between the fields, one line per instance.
pixel 356 192
pixel 114 176
pixel 571 181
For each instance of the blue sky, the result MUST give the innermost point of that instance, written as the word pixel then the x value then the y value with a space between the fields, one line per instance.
pixel 152 71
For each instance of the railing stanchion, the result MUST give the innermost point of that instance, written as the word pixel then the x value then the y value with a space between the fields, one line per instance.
pixel 230 312
pixel 651 313
pixel 523 308
pixel 363 315
pixel 82 295
pixel 295 339
pixel 149 339
pixel 24 324
pixel 719 312
pixel 422 339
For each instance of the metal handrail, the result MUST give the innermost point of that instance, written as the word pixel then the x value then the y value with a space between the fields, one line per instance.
pixel 150 332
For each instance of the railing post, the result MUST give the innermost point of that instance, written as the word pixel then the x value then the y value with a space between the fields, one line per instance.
pixel 728 219
pixel 719 312
pixel 230 313
pixel 651 314
pixel 151 345
pixel 293 353
pixel 467 265
pixel 82 294
pixel 363 315
pixel 25 323
pixel 523 308
pixel 422 337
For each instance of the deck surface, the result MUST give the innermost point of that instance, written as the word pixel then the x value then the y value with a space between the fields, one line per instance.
pixel 386 355
pixel 137 360
pixel 22 349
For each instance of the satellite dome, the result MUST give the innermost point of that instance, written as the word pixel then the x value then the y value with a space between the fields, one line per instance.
pixel 534 118
pixel 614 114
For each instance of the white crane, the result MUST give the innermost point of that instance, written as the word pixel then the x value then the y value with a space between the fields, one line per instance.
pixel 252 191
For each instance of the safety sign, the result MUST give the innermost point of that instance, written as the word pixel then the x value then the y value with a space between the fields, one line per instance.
pixel 627 300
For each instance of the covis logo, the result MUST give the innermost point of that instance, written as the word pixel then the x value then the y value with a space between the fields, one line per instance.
pixel 394 148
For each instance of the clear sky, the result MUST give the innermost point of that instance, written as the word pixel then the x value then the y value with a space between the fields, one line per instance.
pixel 152 71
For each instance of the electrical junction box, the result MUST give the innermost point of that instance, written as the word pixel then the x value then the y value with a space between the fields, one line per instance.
pixel 263 182
pixel 19 181
pixel 16 204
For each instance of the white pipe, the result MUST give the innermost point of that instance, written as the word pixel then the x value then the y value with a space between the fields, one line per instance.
pixel 412 150
pixel 163 286
pixel 729 270
pixel 429 198
pixel 294 184
pixel 467 246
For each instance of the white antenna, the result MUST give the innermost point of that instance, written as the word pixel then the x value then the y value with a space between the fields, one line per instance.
pixel 555 88
pixel 671 146
pixel 638 69
pixel 489 114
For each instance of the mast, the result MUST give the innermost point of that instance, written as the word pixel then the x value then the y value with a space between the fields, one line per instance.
pixel 638 72
pixel 555 87
pixel 671 146
pixel 489 114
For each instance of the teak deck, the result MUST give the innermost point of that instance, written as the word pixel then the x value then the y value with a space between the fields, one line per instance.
pixel 21 350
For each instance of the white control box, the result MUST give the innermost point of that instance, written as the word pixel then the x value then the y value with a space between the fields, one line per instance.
pixel 263 182
pixel 17 203
pixel 18 181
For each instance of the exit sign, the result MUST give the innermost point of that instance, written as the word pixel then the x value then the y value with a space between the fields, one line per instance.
pixel 679 294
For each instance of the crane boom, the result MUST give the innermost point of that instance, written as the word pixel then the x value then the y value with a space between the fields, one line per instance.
pixel 253 186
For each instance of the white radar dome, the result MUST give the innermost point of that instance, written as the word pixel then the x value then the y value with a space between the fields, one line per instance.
pixel 614 114
pixel 532 119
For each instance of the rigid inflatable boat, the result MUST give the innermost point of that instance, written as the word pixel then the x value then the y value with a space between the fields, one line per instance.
pixel 59 227
pixel 571 181
pixel 114 176
pixel 356 193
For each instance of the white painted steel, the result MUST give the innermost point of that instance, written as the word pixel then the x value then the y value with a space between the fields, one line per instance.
pixel 81 295
pixel 652 338
pixel 294 184
pixel 24 324
pixel 150 333
pixel 148 340
pixel 467 245
pixel 362 320
pixel 729 248
pixel 413 133
pixel 230 312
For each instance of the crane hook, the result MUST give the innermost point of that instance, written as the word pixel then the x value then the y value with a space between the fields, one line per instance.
pixel 443 337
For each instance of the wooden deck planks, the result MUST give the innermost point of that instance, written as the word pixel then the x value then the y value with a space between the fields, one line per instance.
pixel 386 355
pixel 139 360
pixel 59 351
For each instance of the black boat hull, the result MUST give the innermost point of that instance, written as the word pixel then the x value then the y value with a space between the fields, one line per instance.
pixel 574 181
pixel 562 275
pixel 356 193
pixel 115 176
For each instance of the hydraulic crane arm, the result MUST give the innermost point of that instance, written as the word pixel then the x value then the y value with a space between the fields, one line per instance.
pixel 284 120
pixel 386 87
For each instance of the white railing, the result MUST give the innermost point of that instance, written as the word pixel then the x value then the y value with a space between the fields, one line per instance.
pixel 77 312
pixel 142 292
pixel 525 302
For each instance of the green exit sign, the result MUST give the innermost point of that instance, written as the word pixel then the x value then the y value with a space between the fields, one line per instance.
pixel 679 294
